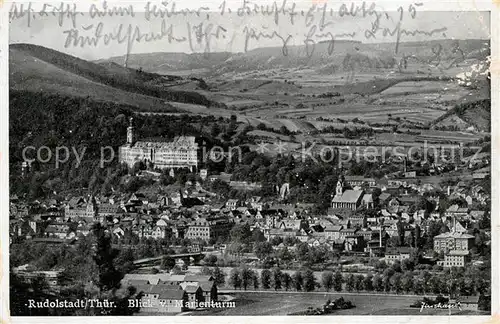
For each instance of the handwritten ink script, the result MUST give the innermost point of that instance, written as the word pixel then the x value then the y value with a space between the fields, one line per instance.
pixel 202 29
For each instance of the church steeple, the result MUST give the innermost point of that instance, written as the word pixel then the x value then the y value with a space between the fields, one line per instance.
pixel 130 132
pixel 340 186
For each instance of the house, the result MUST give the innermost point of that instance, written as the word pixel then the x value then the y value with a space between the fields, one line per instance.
pixel 160 232
pixel 225 177
pixel 476 215
pixel 256 203
pixel 194 293
pixel 384 198
pixel 232 204
pixel 354 242
pixel 457 212
pixel 290 224
pixel 209 290
pixel 357 220
pixel 397 254
pixel 51 277
pixel 59 230
pixel 83 229
pixel 118 231
pixel 163 299
pixel 106 209
pixel 367 201
pixel 366 233
pixel 78 208
pixel 302 235
pixel 332 232
pixel 22 229
pixel 455 258
pixel 346 232
pixel 359 181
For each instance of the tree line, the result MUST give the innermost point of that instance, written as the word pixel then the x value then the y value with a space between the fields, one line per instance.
pixel 454 281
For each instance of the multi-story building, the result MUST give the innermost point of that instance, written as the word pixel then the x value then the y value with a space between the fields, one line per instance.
pixel 182 152
pixel 206 229
pixel 455 258
pixel 79 208
pixel 355 181
pixel 397 254
pixel 453 241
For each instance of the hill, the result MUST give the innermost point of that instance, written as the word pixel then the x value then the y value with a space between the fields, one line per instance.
pixel 476 114
pixel 346 55
pixel 39 69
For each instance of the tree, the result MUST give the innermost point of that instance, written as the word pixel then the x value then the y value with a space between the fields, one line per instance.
pixel 235 278
pixel 241 233
pixel 255 280
pixel 302 252
pixel 258 236
pixel 210 260
pixel 124 261
pixel 327 280
pixel 109 277
pixel 407 282
pixel 262 249
pixel 167 263
pixel 378 284
pixel 396 282
pixel 265 278
pixel 350 283
pixel 358 282
pixel 287 281
pixel 219 276
pixel 284 255
pixel 246 277
pixel 309 280
pixel 215 130
pixel 176 270
pixel 276 278
pixel 298 280
pixel 337 281
pixel 407 265
pixel 368 282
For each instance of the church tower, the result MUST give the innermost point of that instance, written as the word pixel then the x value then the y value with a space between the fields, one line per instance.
pixel 340 186
pixel 130 132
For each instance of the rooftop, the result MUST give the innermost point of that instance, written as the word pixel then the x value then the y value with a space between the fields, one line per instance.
pixel 179 142
pixel 348 196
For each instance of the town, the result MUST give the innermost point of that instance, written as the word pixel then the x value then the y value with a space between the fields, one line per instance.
pixel 213 236
pixel 218 172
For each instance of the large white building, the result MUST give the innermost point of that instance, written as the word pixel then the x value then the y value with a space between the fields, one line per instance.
pixel 180 153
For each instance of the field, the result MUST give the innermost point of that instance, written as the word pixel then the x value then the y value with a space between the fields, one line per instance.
pixel 271 303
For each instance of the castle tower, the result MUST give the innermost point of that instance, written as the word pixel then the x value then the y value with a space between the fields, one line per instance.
pixel 130 132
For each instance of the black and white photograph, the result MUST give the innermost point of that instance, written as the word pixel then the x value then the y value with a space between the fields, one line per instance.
pixel 249 158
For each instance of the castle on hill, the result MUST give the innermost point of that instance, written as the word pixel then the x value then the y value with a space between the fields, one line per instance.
pixel 180 153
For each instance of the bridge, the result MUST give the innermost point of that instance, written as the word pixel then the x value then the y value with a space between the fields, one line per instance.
pixel 197 256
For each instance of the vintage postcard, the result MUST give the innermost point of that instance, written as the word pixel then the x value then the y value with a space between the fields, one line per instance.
pixel 250 158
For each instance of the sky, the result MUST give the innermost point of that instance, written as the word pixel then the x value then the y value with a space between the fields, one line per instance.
pixel 234 33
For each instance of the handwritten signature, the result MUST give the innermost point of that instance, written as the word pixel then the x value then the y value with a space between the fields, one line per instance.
pixel 198 36
pixel 319 22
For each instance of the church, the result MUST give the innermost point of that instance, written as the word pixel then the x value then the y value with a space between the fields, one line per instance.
pixel 346 199
pixel 180 153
